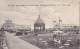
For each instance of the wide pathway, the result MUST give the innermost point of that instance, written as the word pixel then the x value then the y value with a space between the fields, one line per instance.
pixel 14 42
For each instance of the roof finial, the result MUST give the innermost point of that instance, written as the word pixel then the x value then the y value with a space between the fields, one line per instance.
pixel 39 16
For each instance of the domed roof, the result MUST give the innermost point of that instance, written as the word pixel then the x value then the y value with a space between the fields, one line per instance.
pixel 8 21
pixel 39 20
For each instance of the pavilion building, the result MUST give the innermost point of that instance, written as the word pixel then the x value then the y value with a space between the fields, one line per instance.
pixel 39 25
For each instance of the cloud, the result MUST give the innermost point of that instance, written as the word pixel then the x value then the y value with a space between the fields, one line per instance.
pixel 30 10
pixel 47 11
pixel 16 17
pixel 21 15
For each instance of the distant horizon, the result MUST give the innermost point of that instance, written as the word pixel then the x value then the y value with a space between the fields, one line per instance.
pixel 32 26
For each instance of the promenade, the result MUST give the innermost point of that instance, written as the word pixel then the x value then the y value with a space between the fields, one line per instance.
pixel 14 42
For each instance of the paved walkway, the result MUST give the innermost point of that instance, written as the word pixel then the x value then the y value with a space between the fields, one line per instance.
pixel 3 41
pixel 14 42
pixel 4 44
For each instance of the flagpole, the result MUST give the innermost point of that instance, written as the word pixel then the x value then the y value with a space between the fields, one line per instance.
pixel 79 14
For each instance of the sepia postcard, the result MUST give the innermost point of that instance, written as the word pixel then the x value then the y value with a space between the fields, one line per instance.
pixel 39 24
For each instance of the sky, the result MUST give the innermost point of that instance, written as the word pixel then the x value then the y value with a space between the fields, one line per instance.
pixel 25 12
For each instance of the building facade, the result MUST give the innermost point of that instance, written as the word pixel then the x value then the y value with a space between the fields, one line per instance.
pixel 69 28
pixel 10 26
